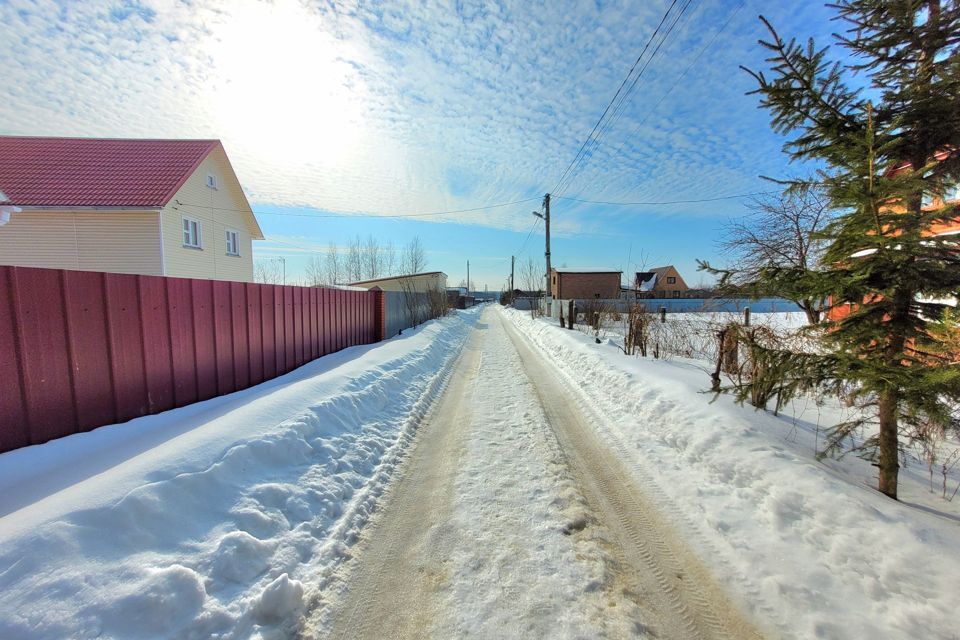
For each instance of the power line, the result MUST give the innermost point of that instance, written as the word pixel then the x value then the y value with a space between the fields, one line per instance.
pixel 362 214
pixel 529 233
pixel 619 109
pixel 664 202
pixel 676 82
pixel 619 89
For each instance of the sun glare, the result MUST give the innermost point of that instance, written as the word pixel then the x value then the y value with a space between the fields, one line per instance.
pixel 282 87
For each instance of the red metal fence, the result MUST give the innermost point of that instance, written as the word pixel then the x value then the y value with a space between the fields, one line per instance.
pixel 79 350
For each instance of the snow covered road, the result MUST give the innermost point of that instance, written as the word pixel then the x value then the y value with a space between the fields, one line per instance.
pixel 511 520
pixel 204 521
pixel 487 475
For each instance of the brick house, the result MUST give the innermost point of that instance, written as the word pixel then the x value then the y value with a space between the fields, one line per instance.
pixel 580 284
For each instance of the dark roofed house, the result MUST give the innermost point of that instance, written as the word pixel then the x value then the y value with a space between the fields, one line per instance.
pixel 661 282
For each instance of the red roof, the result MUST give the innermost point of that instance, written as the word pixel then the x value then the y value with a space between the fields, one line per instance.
pixel 91 172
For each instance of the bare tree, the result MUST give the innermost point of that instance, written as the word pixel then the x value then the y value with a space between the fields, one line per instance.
pixel 267 271
pixel 780 232
pixel 532 280
pixel 333 265
pixel 353 267
pixel 389 260
pixel 414 258
pixel 371 258
pixel 314 271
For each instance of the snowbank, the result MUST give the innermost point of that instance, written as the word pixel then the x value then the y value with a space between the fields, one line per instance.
pixel 810 548
pixel 202 521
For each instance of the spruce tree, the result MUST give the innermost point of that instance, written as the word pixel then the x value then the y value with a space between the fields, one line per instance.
pixel 888 145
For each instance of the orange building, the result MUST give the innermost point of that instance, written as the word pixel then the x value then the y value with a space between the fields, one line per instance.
pixel 930 203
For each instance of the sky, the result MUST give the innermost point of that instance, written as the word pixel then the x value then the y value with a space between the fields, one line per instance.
pixel 346 119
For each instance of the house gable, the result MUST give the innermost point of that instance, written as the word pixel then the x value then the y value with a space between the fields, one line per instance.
pixel 216 209
pixel 664 274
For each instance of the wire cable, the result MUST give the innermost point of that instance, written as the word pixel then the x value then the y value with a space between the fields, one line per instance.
pixel 619 89
pixel 636 129
pixel 617 112
pixel 364 214
pixel 536 221
pixel 666 202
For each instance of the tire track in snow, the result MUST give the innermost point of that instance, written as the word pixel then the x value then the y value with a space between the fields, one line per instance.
pixel 382 594
pixel 691 593
pixel 601 403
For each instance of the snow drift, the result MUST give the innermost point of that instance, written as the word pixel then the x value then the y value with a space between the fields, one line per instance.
pixel 202 521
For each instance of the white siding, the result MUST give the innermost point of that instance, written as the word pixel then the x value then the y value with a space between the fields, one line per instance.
pixel 217 210
pixel 113 241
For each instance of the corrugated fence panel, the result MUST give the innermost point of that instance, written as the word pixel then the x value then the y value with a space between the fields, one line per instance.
pixel 15 431
pixel 223 336
pixel 241 341
pixel 126 346
pixel 203 338
pixel 268 332
pixel 86 307
pixel 289 338
pixel 351 318
pixel 325 304
pixel 155 333
pixel 343 306
pixel 297 325
pixel 314 324
pixel 280 348
pixel 337 310
pixel 85 349
pixel 254 332
pixel 182 344
pixel 46 375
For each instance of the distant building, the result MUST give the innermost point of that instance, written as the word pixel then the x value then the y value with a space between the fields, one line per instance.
pixel 526 300
pixel 419 282
pixel 661 282
pixel 152 207
pixel 579 284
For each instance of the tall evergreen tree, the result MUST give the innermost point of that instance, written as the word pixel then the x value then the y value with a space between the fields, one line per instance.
pixel 889 148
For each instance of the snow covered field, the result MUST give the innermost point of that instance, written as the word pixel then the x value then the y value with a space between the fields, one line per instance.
pixel 202 522
pixel 809 546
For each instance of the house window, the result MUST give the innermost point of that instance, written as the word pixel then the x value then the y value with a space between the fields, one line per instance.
pixel 676 294
pixel 211 181
pixel 671 280
pixel 191 233
pixel 233 243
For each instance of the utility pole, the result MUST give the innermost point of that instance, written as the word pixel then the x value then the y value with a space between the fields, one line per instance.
pixel 545 216
pixel 546 206
pixel 511 279
pixel 468 278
